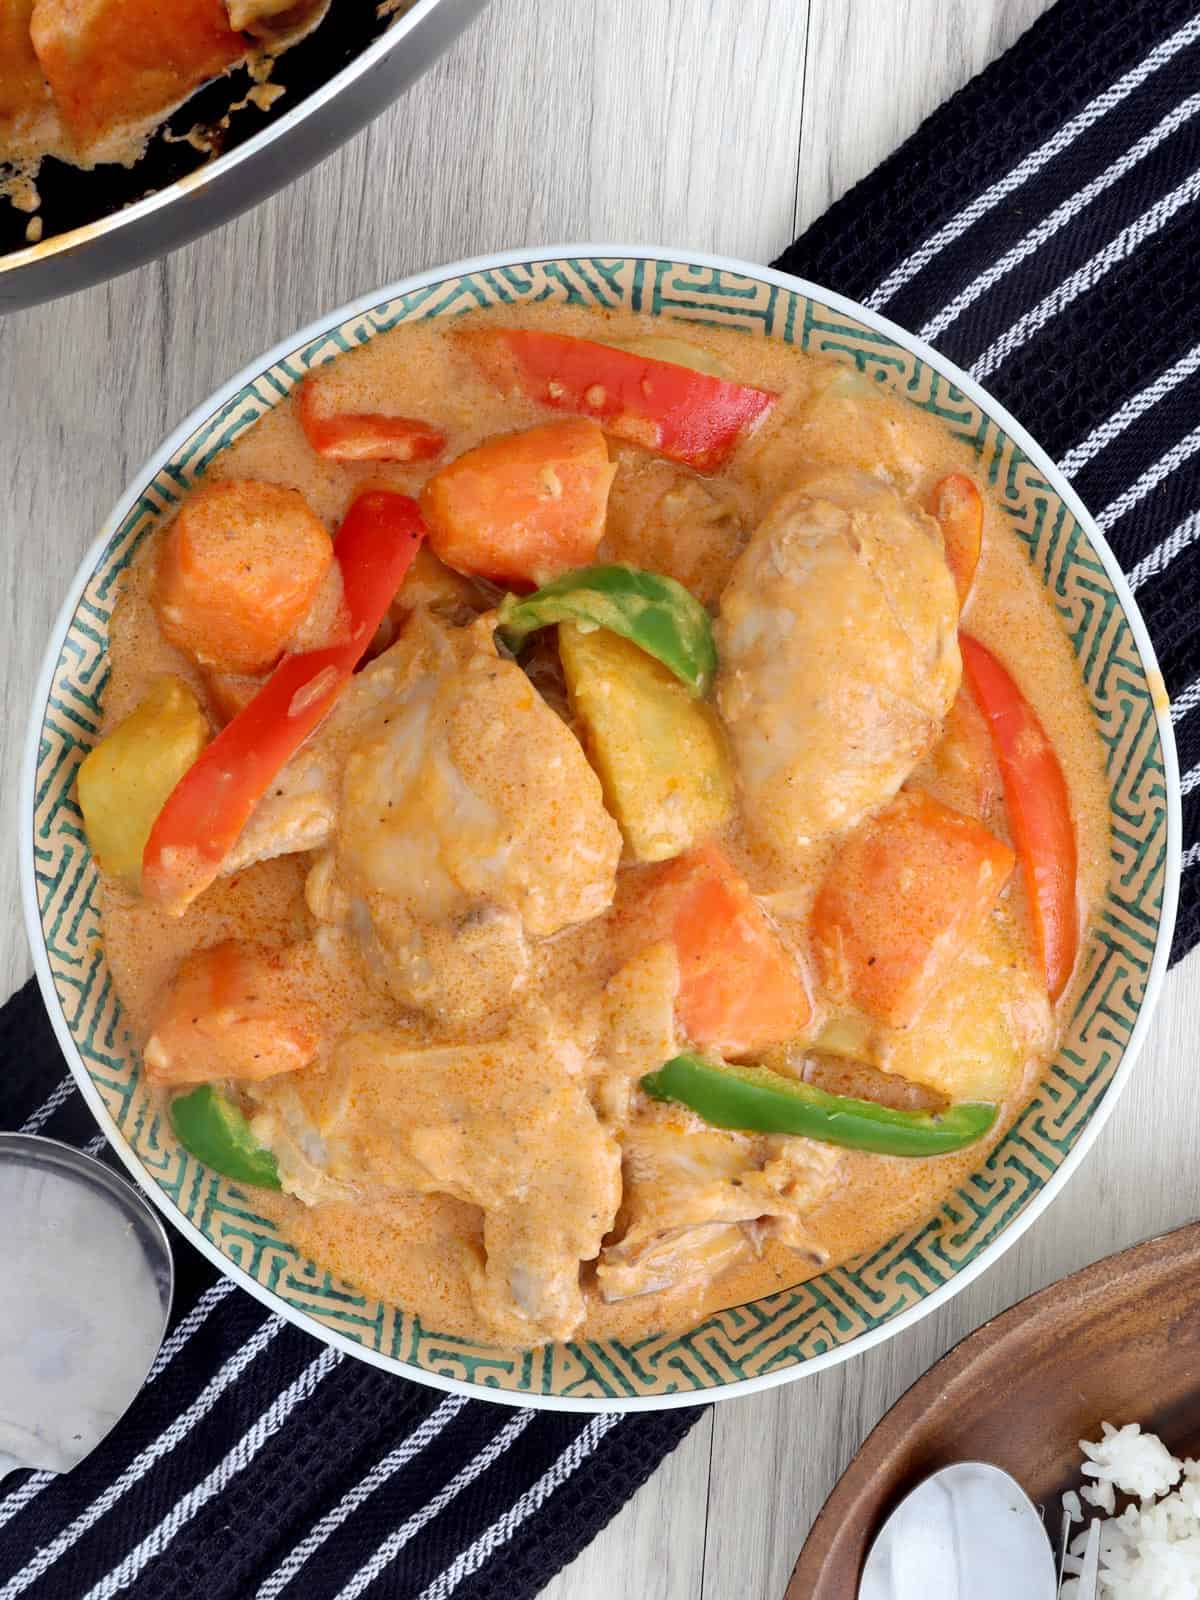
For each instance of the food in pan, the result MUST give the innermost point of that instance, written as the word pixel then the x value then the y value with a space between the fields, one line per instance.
pixel 89 80
pixel 593 826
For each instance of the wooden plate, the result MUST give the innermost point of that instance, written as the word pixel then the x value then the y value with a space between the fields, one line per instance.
pixel 1118 1342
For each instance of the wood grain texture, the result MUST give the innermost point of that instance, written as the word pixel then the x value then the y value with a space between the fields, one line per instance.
pixel 694 122
pixel 1119 1341
pixel 875 72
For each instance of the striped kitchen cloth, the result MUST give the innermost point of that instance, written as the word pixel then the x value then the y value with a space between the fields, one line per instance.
pixel 258 1463
pixel 1041 229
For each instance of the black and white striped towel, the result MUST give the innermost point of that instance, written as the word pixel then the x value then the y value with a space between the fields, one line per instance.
pixel 1041 228
pixel 258 1463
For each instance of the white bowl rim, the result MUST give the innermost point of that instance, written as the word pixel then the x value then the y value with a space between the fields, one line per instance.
pixel 529 256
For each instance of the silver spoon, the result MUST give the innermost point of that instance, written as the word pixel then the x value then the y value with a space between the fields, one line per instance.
pixel 970 1532
pixel 86 1279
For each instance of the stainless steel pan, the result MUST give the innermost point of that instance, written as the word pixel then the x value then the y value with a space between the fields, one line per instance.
pixel 105 221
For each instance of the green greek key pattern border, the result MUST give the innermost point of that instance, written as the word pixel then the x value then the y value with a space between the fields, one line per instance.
pixel 793 1326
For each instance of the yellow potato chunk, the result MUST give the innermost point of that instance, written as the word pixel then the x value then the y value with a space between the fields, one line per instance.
pixel 124 781
pixel 974 1036
pixel 679 352
pixel 659 753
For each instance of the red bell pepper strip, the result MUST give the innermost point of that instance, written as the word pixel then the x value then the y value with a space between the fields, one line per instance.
pixel 364 435
pixel 957 508
pixel 1039 811
pixel 685 415
pixel 209 806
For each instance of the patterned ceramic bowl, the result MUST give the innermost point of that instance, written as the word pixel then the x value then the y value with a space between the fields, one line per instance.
pixel 843 1311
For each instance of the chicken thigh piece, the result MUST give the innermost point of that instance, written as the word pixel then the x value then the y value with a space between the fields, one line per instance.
pixel 696 1201
pixel 25 104
pixel 275 20
pixel 667 519
pixel 300 810
pixel 470 821
pixel 507 1127
pixel 638 1031
pixel 839 656
pixel 458 816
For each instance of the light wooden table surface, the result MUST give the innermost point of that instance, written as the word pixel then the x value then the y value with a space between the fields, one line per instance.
pixel 718 124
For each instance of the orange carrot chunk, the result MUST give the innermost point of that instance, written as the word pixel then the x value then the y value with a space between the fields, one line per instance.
pixel 902 897
pixel 680 413
pixel 740 989
pixel 233 1010
pixel 114 64
pixel 211 803
pixel 523 508
pixel 239 568
pixel 362 435
pixel 958 511
pixel 1039 811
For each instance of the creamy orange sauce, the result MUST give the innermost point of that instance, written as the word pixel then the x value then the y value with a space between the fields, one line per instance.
pixel 425 1250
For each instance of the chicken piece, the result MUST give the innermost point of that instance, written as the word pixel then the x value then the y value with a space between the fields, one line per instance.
pixel 838 652
pixel 294 1130
pixel 458 815
pixel 464 969
pixel 506 1127
pixel 300 810
pixel 694 1202
pixel 639 1027
pixel 671 1258
pixel 277 23
pixel 488 869
pixel 961 770
pixel 666 519
pixel 25 104
pixel 121 65
pixel 450 720
pixel 469 820
pixel 430 585
pixel 233 1010
pixel 842 420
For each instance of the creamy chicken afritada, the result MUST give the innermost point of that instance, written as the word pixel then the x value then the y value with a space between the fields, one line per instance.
pixel 594 825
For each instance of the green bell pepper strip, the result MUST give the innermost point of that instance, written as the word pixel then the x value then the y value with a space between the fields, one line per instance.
pixel 208 1124
pixel 654 612
pixel 757 1100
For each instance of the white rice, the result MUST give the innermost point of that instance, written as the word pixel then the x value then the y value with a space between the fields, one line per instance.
pixel 1152 1550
